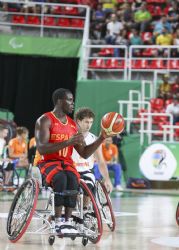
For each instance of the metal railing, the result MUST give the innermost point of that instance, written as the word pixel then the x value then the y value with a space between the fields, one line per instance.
pixel 40 26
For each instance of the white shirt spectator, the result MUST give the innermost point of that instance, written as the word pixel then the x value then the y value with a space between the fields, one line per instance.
pixel 114 28
pixel 173 109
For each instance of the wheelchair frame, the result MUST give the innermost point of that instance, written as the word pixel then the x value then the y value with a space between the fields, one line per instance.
pixel 23 207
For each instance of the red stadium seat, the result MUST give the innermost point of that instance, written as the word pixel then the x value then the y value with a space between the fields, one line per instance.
pixel 97 64
pixel 18 19
pixel 70 10
pixel 114 64
pixel 157 104
pixel 157 64
pixel 33 20
pixel 175 87
pixel 106 52
pixel 58 10
pixel 176 134
pixel 146 36
pixel 77 23
pixel 140 64
pixel 149 52
pixel 64 22
pixel 49 21
pixel 174 64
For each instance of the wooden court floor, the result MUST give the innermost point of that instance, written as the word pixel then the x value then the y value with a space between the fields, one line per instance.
pixel 144 222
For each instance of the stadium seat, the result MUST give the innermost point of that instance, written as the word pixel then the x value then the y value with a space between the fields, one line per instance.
pixel 157 104
pixel 106 52
pixel 33 20
pixel 167 102
pixel 18 19
pixel 64 22
pixel 174 64
pixel 70 10
pixel 176 133
pixel 49 21
pixel 140 64
pixel 58 10
pixel 157 64
pixel 175 87
pixel 114 64
pixel 97 64
pixel 77 23
pixel 146 36
pixel 149 52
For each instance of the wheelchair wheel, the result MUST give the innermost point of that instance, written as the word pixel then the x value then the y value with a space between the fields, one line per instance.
pixel 92 217
pixel 177 215
pixel 105 205
pixel 22 209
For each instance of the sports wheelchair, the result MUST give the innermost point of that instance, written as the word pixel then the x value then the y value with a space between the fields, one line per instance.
pixel 88 222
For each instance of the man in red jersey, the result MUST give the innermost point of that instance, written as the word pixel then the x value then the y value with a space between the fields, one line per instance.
pixel 56 135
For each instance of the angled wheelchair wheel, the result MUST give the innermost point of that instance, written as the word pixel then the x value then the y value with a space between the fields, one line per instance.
pixel 22 209
pixel 177 215
pixel 105 205
pixel 92 217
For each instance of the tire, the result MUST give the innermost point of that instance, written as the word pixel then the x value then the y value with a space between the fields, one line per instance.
pixel 22 209
pixel 92 218
pixel 105 204
pixel 177 215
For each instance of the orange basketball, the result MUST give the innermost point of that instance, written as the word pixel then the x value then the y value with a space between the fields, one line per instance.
pixel 112 123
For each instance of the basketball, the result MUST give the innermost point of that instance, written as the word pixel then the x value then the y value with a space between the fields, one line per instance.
pixel 112 123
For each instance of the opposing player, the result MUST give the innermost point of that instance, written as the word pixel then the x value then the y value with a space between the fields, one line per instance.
pixel 84 117
pixel 56 135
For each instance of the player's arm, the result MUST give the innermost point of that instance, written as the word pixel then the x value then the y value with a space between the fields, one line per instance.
pixel 42 136
pixel 103 169
pixel 86 151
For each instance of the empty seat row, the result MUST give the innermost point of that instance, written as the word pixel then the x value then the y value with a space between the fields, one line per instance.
pixel 108 64
pixel 154 64
pixel 48 21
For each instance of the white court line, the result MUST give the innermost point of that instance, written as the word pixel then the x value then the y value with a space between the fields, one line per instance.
pixel 167 241
pixel 117 214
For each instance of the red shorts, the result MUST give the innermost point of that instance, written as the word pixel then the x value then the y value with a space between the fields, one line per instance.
pixel 49 169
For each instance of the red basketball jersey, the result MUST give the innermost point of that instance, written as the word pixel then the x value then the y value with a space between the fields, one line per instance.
pixel 60 132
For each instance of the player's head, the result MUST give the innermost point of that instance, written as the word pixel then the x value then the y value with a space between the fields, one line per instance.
pixel 63 100
pixel 22 132
pixel 84 117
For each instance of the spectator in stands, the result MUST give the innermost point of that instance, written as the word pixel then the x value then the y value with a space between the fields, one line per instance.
pixel 113 29
pixel 173 14
pixel 158 28
pixel 3 134
pixel 98 22
pixel 165 38
pixel 173 109
pixel 175 52
pixel 142 18
pixel 108 5
pixel 126 15
pixel 175 87
pixel 121 39
pixel 6 165
pixel 164 91
pixel 18 147
pixel 135 39
pixel 110 153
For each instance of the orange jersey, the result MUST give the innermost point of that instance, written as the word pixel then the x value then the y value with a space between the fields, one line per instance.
pixel 32 142
pixel 110 152
pixel 37 158
pixel 60 132
pixel 18 147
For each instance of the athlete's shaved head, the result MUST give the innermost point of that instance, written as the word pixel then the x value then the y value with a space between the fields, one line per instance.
pixel 59 94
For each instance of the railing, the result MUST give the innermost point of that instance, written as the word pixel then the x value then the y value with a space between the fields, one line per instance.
pixel 93 62
pixel 127 64
pixel 74 22
pixel 140 62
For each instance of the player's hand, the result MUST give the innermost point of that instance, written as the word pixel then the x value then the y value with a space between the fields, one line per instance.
pixel 108 185
pixel 77 139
